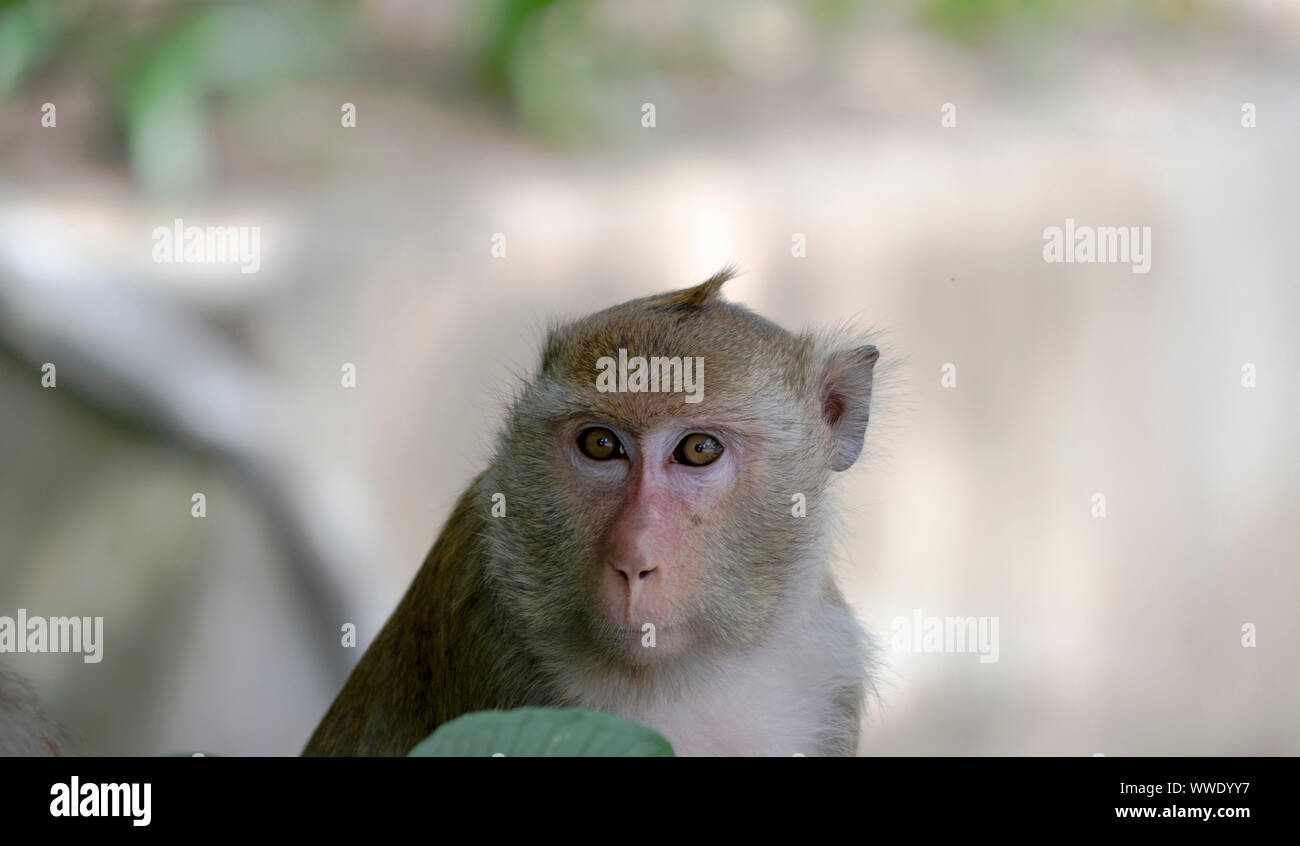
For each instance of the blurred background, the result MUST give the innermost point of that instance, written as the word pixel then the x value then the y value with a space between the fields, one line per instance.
pixel 1119 634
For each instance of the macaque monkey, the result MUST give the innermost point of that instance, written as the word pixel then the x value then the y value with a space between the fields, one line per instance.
pixel 25 729
pixel 649 562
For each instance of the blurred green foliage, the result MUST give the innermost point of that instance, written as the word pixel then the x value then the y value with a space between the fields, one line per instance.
pixel 567 75
pixel 26 36
pixel 502 24
pixel 967 20
pixel 569 71
pixel 166 86
pixel 165 68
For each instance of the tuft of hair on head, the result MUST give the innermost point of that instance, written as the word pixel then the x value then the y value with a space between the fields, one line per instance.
pixel 681 305
pixel 704 294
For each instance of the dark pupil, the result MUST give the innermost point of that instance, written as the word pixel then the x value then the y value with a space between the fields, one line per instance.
pixel 699 447
pixel 602 442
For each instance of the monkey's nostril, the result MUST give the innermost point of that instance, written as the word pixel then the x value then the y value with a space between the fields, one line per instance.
pixel 628 570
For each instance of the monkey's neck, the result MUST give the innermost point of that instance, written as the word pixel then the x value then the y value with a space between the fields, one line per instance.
pixel 797 690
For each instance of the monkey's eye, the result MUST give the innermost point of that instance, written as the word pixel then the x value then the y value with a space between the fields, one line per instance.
pixel 599 444
pixel 698 449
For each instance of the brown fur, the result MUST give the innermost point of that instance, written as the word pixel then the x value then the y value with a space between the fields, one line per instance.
pixel 25 729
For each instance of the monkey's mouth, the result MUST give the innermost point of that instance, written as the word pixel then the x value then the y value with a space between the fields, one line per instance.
pixel 659 630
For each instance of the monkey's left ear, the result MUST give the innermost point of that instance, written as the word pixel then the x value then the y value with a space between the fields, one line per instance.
pixel 846 401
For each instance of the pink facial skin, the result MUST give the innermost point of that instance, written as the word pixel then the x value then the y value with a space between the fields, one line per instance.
pixel 654 512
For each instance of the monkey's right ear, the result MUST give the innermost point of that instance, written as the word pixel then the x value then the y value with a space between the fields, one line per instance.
pixel 846 401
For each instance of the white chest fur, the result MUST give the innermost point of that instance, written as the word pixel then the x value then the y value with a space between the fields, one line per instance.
pixel 782 698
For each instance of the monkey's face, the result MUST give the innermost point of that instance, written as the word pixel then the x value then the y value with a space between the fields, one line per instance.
pixel 667 531
pixel 657 499
pixel 641 528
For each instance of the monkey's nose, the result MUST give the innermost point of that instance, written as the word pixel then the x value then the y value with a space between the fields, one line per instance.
pixel 634 571
pixel 629 589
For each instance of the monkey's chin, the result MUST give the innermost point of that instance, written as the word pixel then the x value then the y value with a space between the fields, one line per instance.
pixel 643 645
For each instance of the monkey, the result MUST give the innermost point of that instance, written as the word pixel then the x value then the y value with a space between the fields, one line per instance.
pixel 648 562
pixel 25 729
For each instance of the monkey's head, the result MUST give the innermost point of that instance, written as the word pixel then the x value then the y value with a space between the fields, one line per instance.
pixel 664 477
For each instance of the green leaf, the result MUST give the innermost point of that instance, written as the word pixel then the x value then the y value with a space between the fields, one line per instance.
pixel 543 733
